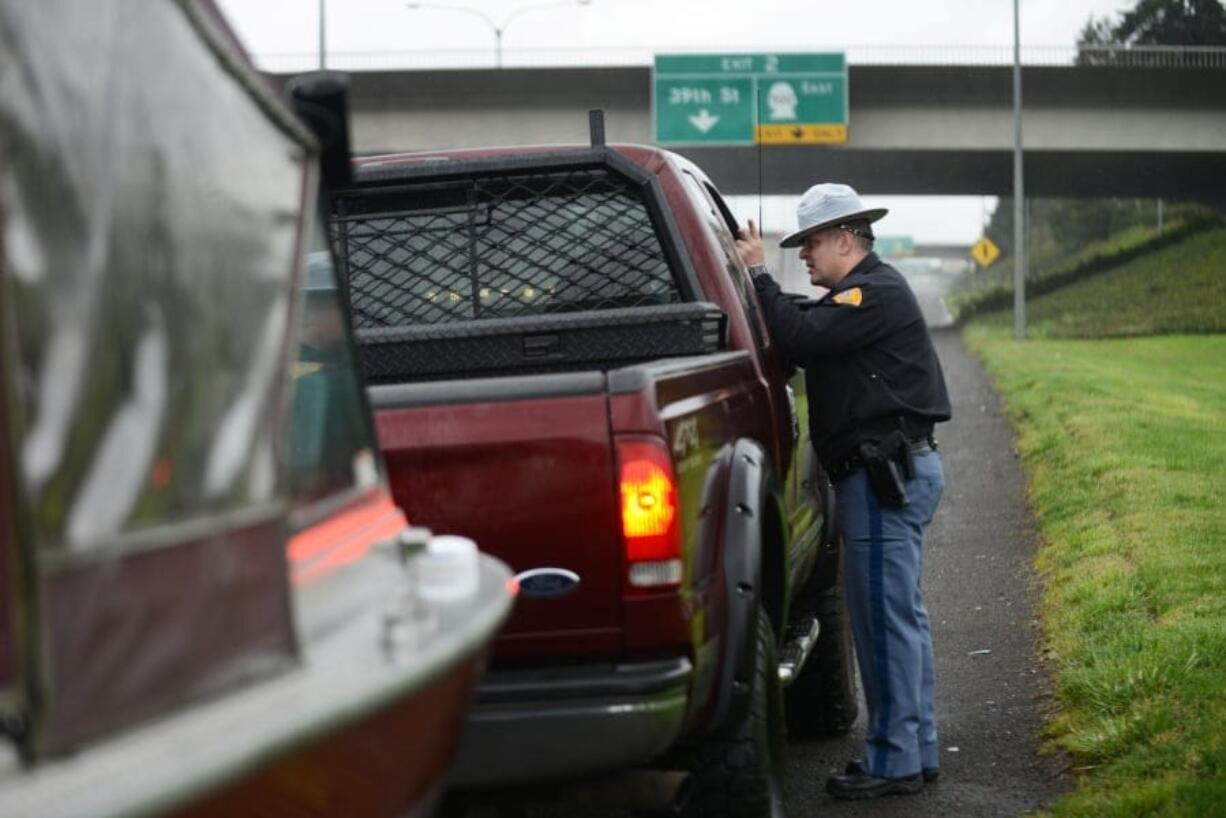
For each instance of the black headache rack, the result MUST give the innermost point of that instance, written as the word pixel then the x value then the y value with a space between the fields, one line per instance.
pixel 534 263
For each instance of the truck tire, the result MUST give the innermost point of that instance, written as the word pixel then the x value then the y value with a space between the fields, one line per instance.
pixel 738 770
pixel 821 701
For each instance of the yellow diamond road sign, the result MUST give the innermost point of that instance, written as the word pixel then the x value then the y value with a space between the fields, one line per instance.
pixel 985 252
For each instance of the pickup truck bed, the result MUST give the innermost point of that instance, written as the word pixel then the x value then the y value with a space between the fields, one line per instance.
pixel 521 450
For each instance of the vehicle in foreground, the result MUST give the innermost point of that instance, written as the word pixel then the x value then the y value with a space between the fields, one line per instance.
pixel 568 364
pixel 209 603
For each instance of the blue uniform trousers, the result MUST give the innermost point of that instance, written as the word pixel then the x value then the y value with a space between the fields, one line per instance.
pixel 883 560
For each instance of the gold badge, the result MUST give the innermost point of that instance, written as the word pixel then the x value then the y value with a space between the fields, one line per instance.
pixel 853 297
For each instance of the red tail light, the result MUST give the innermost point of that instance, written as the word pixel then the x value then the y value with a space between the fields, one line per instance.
pixel 650 524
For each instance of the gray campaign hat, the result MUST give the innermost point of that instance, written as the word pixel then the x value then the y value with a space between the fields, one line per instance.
pixel 827 205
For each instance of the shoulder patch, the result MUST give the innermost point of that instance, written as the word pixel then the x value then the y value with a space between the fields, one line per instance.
pixel 853 297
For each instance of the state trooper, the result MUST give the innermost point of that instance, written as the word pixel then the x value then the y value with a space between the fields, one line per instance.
pixel 875 391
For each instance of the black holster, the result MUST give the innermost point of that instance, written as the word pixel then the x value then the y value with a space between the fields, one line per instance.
pixel 888 465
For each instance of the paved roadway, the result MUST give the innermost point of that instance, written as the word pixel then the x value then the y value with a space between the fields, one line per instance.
pixel 980 591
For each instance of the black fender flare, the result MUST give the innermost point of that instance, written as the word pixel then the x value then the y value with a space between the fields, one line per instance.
pixel 825 569
pixel 752 490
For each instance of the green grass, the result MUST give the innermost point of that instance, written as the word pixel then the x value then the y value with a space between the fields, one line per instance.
pixel 1124 446
pixel 1051 269
pixel 1180 288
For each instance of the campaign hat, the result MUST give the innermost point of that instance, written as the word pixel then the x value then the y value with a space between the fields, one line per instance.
pixel 828 205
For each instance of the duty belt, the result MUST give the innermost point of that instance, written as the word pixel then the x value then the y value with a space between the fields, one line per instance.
pixel 848 465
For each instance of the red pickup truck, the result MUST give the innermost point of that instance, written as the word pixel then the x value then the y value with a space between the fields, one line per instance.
pixel 568 363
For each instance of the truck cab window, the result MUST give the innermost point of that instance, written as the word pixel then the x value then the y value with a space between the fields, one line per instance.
pixel 722 224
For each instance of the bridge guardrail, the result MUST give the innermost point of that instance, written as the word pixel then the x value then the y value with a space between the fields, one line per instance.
pixel 1148 56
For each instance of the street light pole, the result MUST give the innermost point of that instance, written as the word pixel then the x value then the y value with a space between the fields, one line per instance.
pixel 1019 210
pixel 323 42
pixel 497 29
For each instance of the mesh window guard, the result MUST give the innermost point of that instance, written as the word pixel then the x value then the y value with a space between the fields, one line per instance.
pixel 500 247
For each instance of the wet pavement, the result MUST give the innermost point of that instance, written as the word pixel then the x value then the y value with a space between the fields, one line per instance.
pixel 930 292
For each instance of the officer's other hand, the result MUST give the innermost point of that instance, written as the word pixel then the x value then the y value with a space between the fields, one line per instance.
pixel 749 245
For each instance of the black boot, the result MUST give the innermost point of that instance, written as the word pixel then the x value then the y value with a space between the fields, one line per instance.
pixel 856 767
pixel 854 786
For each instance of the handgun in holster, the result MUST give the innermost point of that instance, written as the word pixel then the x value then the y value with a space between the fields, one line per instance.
pixel 889 465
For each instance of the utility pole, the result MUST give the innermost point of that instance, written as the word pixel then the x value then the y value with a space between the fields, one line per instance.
pixel 1019 211
pixel 323 37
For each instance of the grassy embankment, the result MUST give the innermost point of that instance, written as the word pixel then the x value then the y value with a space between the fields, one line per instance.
pixel 1052 268
pixel 1124 446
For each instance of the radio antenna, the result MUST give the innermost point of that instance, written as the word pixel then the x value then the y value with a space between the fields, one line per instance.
pixel 757 137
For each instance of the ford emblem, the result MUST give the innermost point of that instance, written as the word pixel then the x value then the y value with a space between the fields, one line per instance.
pixel 542 583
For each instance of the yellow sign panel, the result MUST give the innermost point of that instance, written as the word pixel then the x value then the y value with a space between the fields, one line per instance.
pixel 985 252
pixel 802 134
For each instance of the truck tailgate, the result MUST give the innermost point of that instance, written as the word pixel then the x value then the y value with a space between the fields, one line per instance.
pixel 524 467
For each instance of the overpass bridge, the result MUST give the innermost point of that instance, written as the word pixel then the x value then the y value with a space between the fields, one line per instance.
pixel 1089 131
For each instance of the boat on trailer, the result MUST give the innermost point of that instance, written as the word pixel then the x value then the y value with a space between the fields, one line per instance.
pixel 209 604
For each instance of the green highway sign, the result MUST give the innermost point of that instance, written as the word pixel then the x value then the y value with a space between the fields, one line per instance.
pixel 774 99
pixel 750 64
pixel 707 110
pixel 894 246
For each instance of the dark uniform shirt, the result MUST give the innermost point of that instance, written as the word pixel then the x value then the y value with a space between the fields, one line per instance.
pixel 868 359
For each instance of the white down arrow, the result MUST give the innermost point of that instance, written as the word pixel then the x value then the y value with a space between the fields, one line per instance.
pixel 704 121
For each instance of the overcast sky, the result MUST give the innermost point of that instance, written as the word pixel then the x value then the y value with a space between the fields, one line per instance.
pixel 284 27
pixel 291 26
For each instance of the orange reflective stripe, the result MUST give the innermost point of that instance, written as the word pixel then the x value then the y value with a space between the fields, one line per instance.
pixel 343 537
